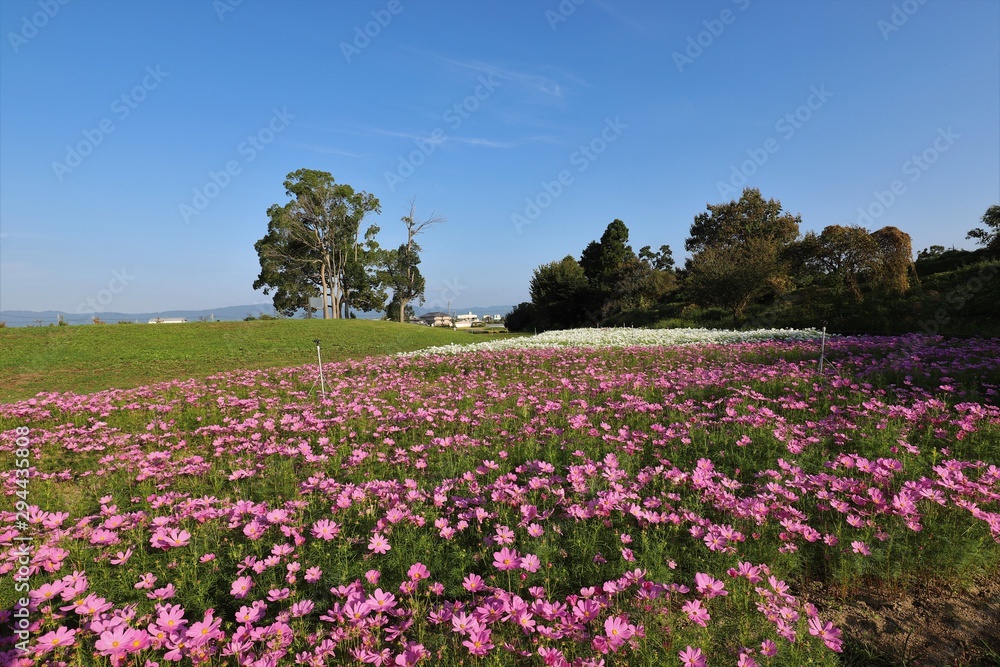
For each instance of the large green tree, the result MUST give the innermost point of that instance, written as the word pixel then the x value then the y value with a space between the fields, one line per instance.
pixel 846 255
pixel 740 252
pixel 287 270
pixel 751 217
pixel 364 288
pixel 661 260
pixel 605 263
pixel 733 275
pixel 894 260
pixel 603 260
pixel 312 240
pixel 557 293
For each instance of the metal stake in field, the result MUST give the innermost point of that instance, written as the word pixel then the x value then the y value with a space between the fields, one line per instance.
pixel 822 349
pixel 322 382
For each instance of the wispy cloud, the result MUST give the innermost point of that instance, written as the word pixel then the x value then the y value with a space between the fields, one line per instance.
pixel 491 143
pixel 428 137
pixel 316 148
pixel 445 138
pixel 624 19
pixel 530 81
pixel 487 143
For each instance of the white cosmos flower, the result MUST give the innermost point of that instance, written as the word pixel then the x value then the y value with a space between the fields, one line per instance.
pixel 598 338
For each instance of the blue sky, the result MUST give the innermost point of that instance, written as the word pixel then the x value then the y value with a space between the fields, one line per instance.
pixel 529 126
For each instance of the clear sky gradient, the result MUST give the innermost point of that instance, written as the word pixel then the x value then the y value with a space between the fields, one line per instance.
pixel 142 142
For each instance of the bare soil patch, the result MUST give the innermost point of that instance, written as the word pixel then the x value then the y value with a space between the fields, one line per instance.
pixel 929 625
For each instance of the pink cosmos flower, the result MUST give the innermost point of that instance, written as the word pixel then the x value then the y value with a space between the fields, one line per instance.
pixel 418 571
pixel 164 593
pixel 91 605
pixel 171 618
pixel 473 583
pixel 618 630
pixel 692 657
pixel 356 612
pixel 708 586
pixel 530 563
pixel 138 641
pixel 61 636
pixel 377 658
pixel 325 529
pixel 696 613
pixel 241 587
pixel 204 630
pixel 379 544
pixel 381 600
pixel 169 537
pixel 586 610
pixel 114 642
pixel 768 648
pixel 462 623
pixel 479 643
pixel 413 654
pixel 122 556
pixel 302 608
pixel 506 559
pixel 825 631
pixel 527 622
pixel 46 592
pixel 251 614
pixel 277 516
pixel 751 572
pixel 504 535
pixel 278 594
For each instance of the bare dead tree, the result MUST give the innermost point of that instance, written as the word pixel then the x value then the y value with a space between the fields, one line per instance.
pixel 410 283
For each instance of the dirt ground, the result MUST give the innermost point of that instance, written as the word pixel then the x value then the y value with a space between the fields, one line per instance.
pixel 926 626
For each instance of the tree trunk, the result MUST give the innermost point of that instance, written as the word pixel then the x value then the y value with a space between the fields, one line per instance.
pixel 322 286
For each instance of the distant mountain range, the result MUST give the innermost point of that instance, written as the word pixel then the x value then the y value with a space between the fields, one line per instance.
pixel 25 318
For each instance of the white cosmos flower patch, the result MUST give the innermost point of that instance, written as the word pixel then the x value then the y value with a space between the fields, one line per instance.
pixel 598 338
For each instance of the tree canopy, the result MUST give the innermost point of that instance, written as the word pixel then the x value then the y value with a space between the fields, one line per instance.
pixel 747 258
pixel 751 217
pixel 739 252
pixel 558 290
pixel 989 237
pixel 312 245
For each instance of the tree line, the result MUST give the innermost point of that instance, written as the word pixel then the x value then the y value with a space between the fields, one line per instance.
pixel 750 262
pixel 315 247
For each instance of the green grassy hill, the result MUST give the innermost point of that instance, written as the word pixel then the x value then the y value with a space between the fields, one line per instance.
pixel 94 357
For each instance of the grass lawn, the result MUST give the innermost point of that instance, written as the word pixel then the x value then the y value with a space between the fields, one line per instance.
pixel 90 358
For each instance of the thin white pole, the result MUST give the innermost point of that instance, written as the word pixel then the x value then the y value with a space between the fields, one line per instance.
pixel 322 382
pixel 822 350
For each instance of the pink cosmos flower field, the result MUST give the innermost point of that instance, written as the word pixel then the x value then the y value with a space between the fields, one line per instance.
pixel 562 506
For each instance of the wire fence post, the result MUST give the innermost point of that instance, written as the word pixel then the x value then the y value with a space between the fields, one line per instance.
pixel 319 360
pixel 822 350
